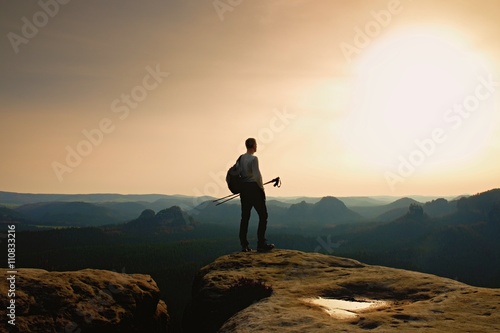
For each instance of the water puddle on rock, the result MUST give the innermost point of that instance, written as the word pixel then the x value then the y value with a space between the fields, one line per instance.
pixel 341 309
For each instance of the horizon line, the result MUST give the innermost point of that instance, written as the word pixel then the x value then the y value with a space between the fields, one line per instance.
pixel 273 196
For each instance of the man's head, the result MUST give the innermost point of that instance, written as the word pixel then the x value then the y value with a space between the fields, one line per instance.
pixel 251 145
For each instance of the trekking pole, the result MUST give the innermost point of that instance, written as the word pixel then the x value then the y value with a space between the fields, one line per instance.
pixel 227 196
pixel 233 196
pixel 276 181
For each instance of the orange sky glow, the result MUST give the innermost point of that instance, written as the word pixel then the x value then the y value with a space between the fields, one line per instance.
pixel 345 98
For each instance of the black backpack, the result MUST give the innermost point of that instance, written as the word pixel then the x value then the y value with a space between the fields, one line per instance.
pixel 233 178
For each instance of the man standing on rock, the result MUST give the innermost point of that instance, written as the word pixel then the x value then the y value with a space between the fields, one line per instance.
pixel 252 195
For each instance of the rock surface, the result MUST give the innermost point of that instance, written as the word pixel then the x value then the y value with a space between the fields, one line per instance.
pixel 415 302
pixel 89 300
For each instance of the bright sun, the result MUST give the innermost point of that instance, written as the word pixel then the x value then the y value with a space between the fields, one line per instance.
pixel 405 86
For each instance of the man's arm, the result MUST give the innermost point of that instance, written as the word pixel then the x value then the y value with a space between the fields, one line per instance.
pixel 256 172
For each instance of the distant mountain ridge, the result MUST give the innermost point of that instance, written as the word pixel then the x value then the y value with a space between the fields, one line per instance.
pixel 98 210
pixel 328 210
pixel 166 220
pixel 75 214
pixel 10 215
pixel 14 198
pixel 462 244
pixel 393 209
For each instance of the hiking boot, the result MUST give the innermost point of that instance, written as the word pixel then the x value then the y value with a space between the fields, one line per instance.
pixel 265 247
pixel 246 249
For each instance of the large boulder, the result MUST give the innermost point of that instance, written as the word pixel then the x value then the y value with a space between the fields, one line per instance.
pixel 88 300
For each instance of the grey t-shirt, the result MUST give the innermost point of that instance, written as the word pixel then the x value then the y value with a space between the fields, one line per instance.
pixel 249 166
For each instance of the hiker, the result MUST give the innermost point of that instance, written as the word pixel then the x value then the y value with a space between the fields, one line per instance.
pixel 252 195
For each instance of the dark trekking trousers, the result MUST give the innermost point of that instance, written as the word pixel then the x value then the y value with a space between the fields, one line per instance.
pixel 252 196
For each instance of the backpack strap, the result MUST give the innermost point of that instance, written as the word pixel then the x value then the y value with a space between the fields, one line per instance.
pixel 238 164
pixel 238 161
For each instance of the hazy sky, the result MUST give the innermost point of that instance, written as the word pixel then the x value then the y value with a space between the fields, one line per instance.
pixel 344 97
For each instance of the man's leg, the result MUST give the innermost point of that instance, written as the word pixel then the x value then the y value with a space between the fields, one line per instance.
pixel 260 207
pixel 246 207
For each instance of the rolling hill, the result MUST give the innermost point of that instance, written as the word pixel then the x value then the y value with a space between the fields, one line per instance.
pixel 75 214
pixel 462 245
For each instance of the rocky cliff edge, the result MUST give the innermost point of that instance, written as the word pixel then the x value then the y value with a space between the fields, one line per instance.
pixel 291 291
pixel 82 301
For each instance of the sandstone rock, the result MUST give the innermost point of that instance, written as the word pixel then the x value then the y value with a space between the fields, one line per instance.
pixel 89 300
pixel 413 302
